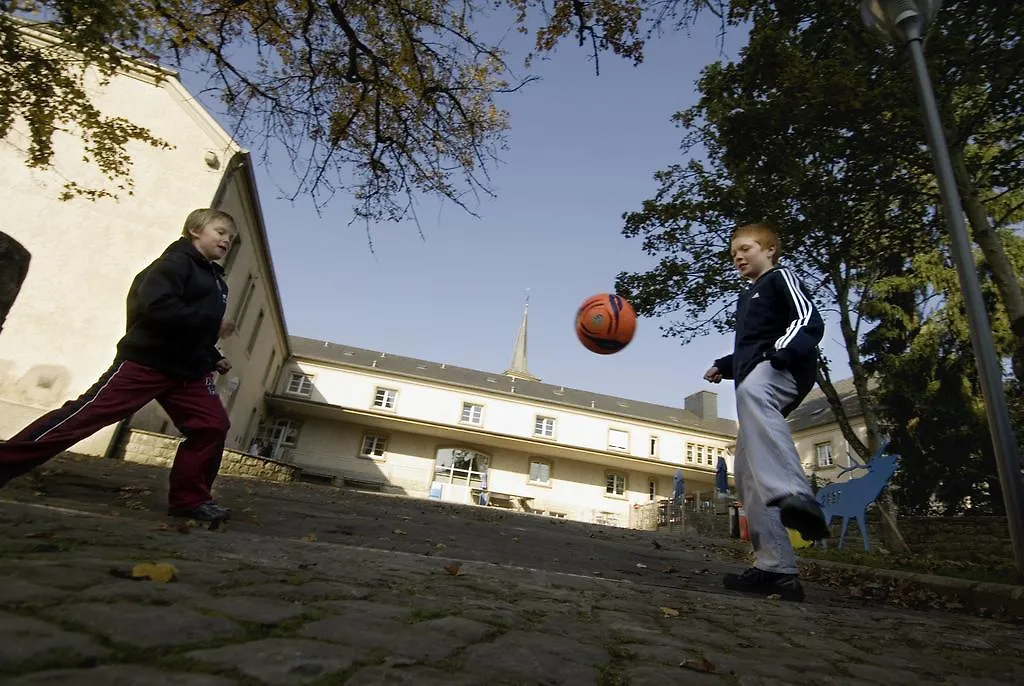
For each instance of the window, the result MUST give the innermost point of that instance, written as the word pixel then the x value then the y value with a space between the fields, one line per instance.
pixel 270 365
pixel 385 398
pixel 652 488
pixel 700 454
pixel 540 472
pixel 721 454
pixel 689 452
pixel 460 465
pixel 472 414
pixel 618 440
pixel 284 432
pixel 614 484
pixel 300 384
pixel 544 426
pixel 373 446
pixel 823 454
pixel 652 446
pixel 255 333
pixel 243 305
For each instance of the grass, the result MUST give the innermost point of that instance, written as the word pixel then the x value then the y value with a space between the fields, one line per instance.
pixel 994 570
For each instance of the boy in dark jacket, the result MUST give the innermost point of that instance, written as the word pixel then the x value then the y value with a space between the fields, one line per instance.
pixel 774 363
pixel 175 318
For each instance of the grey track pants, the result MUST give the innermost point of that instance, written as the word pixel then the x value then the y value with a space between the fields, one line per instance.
pixel 767 465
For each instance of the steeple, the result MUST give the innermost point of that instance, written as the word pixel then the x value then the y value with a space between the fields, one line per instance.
pixel 518 370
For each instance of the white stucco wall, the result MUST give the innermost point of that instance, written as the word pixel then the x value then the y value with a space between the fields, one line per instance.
pixel 71 312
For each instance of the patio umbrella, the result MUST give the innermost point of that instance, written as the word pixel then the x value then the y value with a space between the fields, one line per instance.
pixel 677 487
pixel 721 476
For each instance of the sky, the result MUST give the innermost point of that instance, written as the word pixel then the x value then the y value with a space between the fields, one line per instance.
pixel 582 150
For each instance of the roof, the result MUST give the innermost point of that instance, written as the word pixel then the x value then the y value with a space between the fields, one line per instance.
pixel 360 358
pixel 816 411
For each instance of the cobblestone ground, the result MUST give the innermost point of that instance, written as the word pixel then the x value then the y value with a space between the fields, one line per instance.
pixel 313 585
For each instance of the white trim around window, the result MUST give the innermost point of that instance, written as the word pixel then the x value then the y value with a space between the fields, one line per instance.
pixel 544 427
pixel 385 398
pixel 374 446
pixel 472 413
pixel 540 473
pixel 618 440
pixel 300 383
pixel 614 484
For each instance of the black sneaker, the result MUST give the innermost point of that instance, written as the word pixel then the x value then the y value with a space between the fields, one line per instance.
pixel 206 512
pixel 754 580
pixel 803 514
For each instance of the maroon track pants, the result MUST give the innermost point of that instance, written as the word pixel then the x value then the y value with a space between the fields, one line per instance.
pixel 193 406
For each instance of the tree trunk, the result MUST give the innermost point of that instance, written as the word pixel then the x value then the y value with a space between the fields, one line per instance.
pixel 986 238
pixel 891 535
pixel 14 259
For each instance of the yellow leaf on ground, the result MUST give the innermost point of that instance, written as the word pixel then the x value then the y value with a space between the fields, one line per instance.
pixel 161 572
pixel 669 612
pixel 311 536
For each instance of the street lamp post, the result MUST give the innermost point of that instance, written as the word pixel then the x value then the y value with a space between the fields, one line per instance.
pixel 905 22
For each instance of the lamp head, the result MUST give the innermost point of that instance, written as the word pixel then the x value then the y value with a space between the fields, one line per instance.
pixel 899 20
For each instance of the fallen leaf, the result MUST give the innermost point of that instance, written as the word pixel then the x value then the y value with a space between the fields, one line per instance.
pixel 699 664
pixel 454 569
pixel 42 534
pixel 441 547
pixel 669 612
pixel 310 537
pixel 161 572
pixel 670 570
pixel 398 661
pixel 398 532
pixel 641 565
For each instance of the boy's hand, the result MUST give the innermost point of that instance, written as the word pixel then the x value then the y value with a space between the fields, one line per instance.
pixel 713 375
pixel 780 359
pixel 223 366
pixel 226 329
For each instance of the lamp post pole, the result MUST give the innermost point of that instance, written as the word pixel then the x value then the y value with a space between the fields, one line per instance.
pixel 903 21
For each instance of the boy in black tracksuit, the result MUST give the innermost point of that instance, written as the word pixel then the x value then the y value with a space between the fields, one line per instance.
pixel 175 318
pixel 774 363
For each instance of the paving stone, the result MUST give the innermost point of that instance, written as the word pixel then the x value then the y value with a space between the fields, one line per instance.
pixel 23 639
pixel 146 626
pixel 307 591
pixel 141 591
pixel 466 630
pixel 414 676
pixel 15 592
pixel 660 676
pixel 366 608
pixel 529 656
pixel 411 641
pixel 268 611
pixel 281 660
pixel 78 575
pixel 880 675
pixel 119 675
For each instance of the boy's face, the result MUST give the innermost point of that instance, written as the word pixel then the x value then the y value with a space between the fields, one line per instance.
pixel 750 258
pixel 214 239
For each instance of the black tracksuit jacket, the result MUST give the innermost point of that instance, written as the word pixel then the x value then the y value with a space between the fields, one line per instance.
pixel 175 307
pixel 775 314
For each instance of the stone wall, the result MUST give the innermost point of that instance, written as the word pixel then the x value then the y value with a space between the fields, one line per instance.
pixel 952 538
pixel 146 447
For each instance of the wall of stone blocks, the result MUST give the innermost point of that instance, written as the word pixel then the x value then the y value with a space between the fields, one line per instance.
pixel 150 448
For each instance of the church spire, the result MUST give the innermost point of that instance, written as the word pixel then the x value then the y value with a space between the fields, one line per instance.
pixel 518 369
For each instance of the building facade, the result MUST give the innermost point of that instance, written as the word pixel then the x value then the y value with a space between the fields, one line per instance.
pixel 62 330
pixel 428 429
pixel 824 450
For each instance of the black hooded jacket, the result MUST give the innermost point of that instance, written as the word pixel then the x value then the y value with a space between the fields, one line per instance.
pixel 776 321
pixel 175 307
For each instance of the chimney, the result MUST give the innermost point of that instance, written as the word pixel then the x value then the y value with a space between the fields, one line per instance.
pixel 704 404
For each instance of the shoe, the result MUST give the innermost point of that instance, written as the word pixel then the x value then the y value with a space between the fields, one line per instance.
pixel 803 514
pixel 754 580
pixel 206 512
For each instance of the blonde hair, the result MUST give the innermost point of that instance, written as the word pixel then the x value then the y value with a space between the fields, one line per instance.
pixel 197 220
pixel 763 234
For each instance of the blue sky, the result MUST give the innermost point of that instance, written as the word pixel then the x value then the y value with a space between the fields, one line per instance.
pixel 582 150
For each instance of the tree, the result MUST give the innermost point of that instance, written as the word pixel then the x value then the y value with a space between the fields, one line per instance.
pixel 929 395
